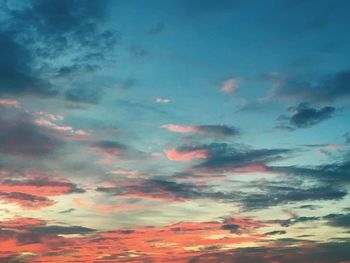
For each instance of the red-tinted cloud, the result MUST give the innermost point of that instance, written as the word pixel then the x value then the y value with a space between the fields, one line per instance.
pixel 31 189
pixel 178 242
pixel 179 155
pixel 10 103
pixel 179 128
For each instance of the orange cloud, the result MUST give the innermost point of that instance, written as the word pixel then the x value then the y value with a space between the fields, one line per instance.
pixel 178 242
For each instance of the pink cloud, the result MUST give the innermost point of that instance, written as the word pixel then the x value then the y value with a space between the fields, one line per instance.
pixel 51 125
pixel 179 128
pixel 10 103
pixel 176 155
pixel 230 85
pixel 47 120
pixel 54 117
pixel 128 173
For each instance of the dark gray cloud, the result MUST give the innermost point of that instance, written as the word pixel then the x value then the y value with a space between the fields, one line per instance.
pixel 64 37
pixel 264 196
pixel 234 228
pixel 272 195
pixel 335 173
pixel 338 220
pixel 297 219
pixel 20 135
pixel 303 116
pixel 67 211
pixel 218 130
pixel 332 88
pixel 310 207
pixel 275 232
pixel 16 73
pixel 225 156
pixel 155 188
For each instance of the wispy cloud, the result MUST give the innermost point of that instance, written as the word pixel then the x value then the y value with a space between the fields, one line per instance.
pixel 230 85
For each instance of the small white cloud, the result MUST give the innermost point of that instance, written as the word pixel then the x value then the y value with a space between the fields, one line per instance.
pixel 162 100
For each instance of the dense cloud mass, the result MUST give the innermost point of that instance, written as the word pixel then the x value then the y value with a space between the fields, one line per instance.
pixel 68 32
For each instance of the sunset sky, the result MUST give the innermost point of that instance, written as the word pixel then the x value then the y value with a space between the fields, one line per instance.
pixel 175 131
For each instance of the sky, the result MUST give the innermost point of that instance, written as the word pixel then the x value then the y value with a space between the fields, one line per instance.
pixel 174 131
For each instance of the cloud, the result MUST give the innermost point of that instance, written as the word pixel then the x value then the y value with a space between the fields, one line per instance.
pixel 273 195
pixel 22 223
pixel 162 100
pixel 110 147
pixel 334 87
pixel 152 189
pixel 16 73
pixel 10 103
pixel 20 135
pixel 214 130
pixel 335 173
pixel 230 85
pixel 276 232
pixel 305 116
pixel 71 30
pixel 185 154
pixel 297 219
pixel 338 220
pixel 40 186
pixel 300 251
pixel 26 200
pixel 112 151
pixel 222 156
pixel 31 189
pixel 61 230
pixel 51 243
pixel 67 211
pixel 179 128
pixel 264 195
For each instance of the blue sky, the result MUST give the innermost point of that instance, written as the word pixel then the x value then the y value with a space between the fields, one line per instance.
pixel 202 131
